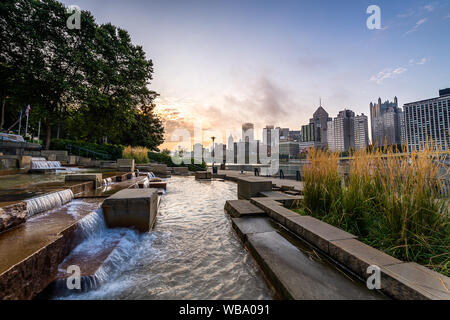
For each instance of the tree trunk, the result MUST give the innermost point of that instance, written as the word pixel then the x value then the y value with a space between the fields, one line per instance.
pixel 3 113
pixel 48 136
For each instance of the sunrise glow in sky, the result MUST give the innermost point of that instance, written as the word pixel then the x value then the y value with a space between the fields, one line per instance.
pixel 269 62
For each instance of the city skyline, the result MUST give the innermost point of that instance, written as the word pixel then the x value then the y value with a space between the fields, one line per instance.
pixel 271 63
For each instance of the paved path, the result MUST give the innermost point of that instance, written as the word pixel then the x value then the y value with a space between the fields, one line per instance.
pixel 298 185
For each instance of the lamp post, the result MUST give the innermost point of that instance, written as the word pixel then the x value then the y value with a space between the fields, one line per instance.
pixel 213 138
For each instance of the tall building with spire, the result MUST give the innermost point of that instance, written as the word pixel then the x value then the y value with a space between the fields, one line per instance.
pixel 385 119
pixel 320 121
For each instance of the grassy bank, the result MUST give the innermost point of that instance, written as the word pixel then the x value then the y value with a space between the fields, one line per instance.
pixel 390 202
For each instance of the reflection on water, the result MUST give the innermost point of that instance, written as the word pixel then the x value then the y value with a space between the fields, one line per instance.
pixel 193 252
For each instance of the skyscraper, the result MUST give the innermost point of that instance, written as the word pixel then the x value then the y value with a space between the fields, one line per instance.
pixel 428 120
pixel 248 132
pixel 385 122
pixel 361 129
pixel 320 120
pixel 341 132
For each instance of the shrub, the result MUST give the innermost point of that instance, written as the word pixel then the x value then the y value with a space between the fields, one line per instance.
pixel 390 201
pixel 139 154
pixel 111 151
pixel 165 158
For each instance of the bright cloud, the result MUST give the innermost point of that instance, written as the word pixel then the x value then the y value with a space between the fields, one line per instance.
pixel 387 74
pixel 418 24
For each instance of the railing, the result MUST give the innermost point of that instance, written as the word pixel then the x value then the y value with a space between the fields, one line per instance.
pixel 87 152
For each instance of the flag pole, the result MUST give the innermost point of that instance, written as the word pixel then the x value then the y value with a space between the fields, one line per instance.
pixel 26 127
pixel 39 130
pixel 20 120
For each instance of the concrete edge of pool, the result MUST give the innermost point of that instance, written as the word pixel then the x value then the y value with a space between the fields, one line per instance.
pixel 29 266
pixel 399 280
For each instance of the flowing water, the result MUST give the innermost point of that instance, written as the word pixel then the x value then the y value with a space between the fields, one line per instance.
pixel 192 253
pixel 48 201
pixel 38 163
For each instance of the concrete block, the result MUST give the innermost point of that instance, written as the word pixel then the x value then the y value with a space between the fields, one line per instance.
pixel 73 160
pixel 239 208
pixel 51 157
pixel 132 208
pixel 358 256
pixel 202 175
pixel 25 162
pixel 82 161
pixel 411 281
pixel 251 187
pixel 127 164
pixel 315 231
pixel 180 170
pixel 96 177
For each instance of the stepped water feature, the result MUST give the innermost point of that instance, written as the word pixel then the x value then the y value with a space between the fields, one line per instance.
pixel 48 201
pixel 192 253
pixel 39 164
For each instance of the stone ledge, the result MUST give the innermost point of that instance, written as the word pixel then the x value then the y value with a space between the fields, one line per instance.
pixel 238 208
pixel 411 281
pixel 250 225
pixel 399 280
pixel 295 276
pixel 357 256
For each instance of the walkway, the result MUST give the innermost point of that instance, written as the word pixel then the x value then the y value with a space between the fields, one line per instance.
pixel 297 185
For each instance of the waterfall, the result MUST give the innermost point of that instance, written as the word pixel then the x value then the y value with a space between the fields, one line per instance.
pixel 41 163
pixel 107 182
pixel 48 201
pixel 92 225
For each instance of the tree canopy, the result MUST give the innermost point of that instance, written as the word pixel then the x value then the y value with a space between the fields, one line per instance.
pixel 87 84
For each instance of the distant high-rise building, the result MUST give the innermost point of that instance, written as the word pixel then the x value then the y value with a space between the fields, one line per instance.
pixel 308 133
pixel 295 136
pixel 361 129
pixel 320 120
pixel 267 138
pixel 230 142
pixel 385 122
pixel 284 134
pixel 428 120
pixel 341 132
pixel 248 132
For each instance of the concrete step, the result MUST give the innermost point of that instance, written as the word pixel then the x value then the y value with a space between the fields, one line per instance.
pixel 31 252
pixel 239 208
pixel 90 264
pixel 293 269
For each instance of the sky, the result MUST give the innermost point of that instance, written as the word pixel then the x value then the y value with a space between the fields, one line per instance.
pixel 219 64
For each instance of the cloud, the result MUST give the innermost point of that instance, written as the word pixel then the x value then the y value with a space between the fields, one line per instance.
pixel 447 17
pixel 428 8
pixel 406 14
pixel 422 61
pixel 417 25
pixel 388 73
